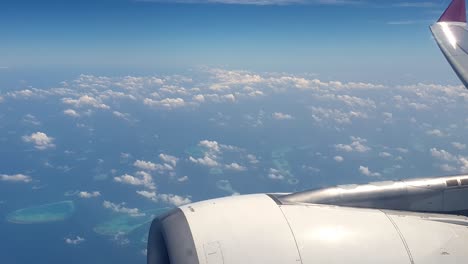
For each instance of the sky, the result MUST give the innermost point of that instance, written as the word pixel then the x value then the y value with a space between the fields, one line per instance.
pixel 385 41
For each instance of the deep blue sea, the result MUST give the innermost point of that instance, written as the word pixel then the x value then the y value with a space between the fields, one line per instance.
pixel 227 132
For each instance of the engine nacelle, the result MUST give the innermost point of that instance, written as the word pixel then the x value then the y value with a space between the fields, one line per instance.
pixel 259 229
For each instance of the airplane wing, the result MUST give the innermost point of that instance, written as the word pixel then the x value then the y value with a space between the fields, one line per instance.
pixel 451 34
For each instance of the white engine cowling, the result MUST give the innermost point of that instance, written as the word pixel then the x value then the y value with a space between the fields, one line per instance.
pixel 259 229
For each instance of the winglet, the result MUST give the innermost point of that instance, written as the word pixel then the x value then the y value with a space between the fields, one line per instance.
pixel 455 12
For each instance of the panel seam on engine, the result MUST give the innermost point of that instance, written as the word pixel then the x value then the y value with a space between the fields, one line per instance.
pixel 400 234
pixel 292 233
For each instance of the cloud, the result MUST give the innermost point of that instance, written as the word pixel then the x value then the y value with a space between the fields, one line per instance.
pixel 26 93
pixel 87 195
pixel 458 145
pixel 40 140
pixel 145 165
pixel 252 159
pixel 445 156
pixel 172 199
pixel 435 132
pixel 120 208
pixel 357 145
pixel 143 179
pixel 212 154
pixel 147 194
pixel 31 119
pixel 235 167
pixel 205 161
pixel 121 115
pixel 447 168
pixel 168 103
pixel 169 159
pixel 275 174
pixel 349 100
pixel 402 150
pixel 183 179
pixel 338 159
pixel 160 168
pixel 320 114
pixel 366 172
pixel 15 178
pixel 210 145
pixel 442 155
pixel 384 154
pixel 86 101
pixel 71 112
pixel 74 241
pixel 226 186
pixel 281 116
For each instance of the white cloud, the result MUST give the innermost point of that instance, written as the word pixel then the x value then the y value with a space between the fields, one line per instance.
pixel 210 145
pixel 366 172
pixel 442 155
pixel 458 145
pixel 31 119
pixel 402 150
pixel 384 154
pixel 172 199
pixel 352 101
pixel 205 161
pixel 459 160
pixel 252 159
pixel 85 101
pixel 145 165
pixel 143 179
pixel 169 159
pixel 121 115
pixel 281 116
pixel 338 159
pixel 212 152
pixel 320 114
pixel 447 168
pixel 87 195
pixel 199 98
pixel 275 174
pixel 40 140
pixel 183 179
pixel 226 186
pixel 168 103
pixel 357 145
pixel 435 132
pixel 418 106
pixel 15 178
pixel 26 93
pixel 463 161
pixel 120 208
pixel 235 167
pixel 74 241
pixel 71 112
pixel 148 195
pixel 160 168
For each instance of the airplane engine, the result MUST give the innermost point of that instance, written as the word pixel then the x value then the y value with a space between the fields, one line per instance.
pixel 256 229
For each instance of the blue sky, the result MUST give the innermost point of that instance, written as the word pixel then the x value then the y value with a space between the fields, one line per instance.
pixel 349 40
